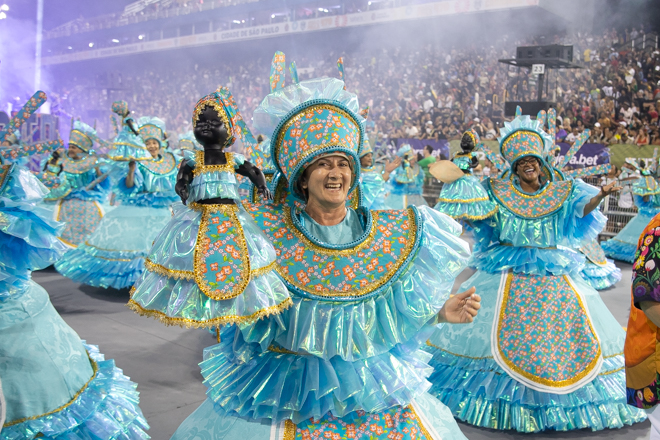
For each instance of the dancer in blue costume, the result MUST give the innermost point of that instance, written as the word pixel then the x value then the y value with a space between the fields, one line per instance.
pixel 83 188
pixel 646 194
pixel 113 256
pixel 405 183
pixel 545 353
pixel 367 288
pixel 600 272
pixel 211 265
pixel 372 183
pixel 462 197
pixel 127 145
pixel 56 386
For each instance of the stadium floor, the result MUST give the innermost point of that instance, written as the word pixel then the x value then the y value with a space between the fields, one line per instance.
pixel 163 360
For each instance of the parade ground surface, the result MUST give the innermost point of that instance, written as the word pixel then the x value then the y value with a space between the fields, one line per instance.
pixel 163 360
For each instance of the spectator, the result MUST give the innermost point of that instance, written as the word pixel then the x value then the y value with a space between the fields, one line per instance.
pixel 427 161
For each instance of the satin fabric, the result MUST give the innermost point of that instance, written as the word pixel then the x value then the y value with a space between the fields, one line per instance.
pixel 56 386
pixel 466 376
pixel 373 189
pixel 463 199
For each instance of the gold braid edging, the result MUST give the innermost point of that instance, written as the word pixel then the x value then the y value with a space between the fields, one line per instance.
pixel 95 370
pixel 190 275
pixel 289 430
pixel 221 320
pixel 477 217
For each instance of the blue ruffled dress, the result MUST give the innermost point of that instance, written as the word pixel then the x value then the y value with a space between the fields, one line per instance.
pixel 465 198
pixel 127 145
pixel 405 188
pixel 80 206
pixel 372 188
pixel 600 272
pixel 344 360
pixel 544 352
pixel 113 256
pixel 210 265
pixel 56 386
pixel 646 194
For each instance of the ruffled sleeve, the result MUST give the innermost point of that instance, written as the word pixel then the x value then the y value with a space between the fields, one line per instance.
pixel 28 233
pixel 577 226
pixel 239 160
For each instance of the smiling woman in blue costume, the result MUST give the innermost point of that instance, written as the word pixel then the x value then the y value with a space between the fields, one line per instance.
pixel 82 189
pixel 56 386
pixel 113 256
pixel 646 194
pixel 545 353
pixel 367 289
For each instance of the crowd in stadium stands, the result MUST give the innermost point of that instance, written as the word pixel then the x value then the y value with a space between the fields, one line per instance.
pixel 433 93
pixel 171 8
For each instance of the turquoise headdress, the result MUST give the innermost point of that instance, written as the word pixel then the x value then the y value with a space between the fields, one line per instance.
pixel 366 147
pixel 223 102
pixel 120 107
pixel 404 150
pixel 524 137
pixel 82 136
pixel 309 119
pixel 152 128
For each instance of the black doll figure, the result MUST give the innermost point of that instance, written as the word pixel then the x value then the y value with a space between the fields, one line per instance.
pixel 211 132
pixel 467 160
pixel 211 259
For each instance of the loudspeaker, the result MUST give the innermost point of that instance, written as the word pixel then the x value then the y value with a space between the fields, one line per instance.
pixel 555 51
pixel 528 108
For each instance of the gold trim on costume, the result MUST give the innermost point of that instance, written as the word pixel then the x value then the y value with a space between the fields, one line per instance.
pixel 430 344
pixel 170 273
pixel 476 217
pixel 356 292
pixel 612 372
pixel 421 425
pixel 260 271
pixel 221 320
pixel 282 350
pixel 95 369
pixel 190 275
pixel 529 376
pixel 476 199
pixel 87 243
pixel 368 241
pixel 210 102
pixel 201 167
pixel 316 147
pixel 290 429
pixel 198 255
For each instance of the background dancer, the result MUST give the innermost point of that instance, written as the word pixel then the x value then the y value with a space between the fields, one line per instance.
pixel 113 255
pixel 522 370
pixel 56 385
pixel 83 189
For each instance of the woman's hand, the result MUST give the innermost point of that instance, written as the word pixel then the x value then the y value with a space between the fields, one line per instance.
pixel 461 308
pixel 610 188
